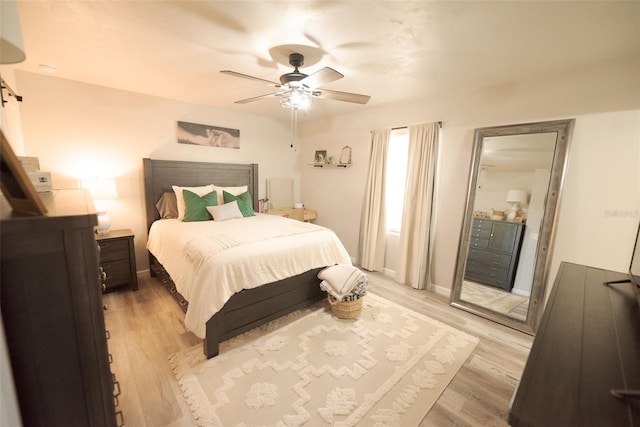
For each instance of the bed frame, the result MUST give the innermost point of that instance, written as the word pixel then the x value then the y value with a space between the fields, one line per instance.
pixel 250 307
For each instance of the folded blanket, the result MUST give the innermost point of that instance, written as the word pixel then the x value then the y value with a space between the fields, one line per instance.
pixel 342 279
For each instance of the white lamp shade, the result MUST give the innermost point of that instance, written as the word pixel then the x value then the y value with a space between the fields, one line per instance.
pixel 11 46
pixel 101 189
pixel 517 196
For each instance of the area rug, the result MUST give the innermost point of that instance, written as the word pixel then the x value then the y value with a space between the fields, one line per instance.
pixel 491 298
pixel 386 368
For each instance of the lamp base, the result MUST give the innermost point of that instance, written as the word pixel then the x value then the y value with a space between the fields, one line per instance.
pixel 513 212
pixel 104 223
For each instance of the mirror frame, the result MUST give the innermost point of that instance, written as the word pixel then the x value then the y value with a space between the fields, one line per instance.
pixel 544 250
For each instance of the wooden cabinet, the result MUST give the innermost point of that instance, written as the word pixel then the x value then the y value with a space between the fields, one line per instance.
pixel 494 249
pixel 52 313
pixel 118 259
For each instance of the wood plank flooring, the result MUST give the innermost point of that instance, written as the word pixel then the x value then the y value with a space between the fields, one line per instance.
pixel 146 327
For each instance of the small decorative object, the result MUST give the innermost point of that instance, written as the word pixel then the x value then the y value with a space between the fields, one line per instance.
pixel 41 180
pixel 345 155
pixel 262 205
pixel 330 160
pixel 15 184
pixel 349 308
pixel 480 214
pixel 497 215
pixel 515 197
pixel 213 136
pixel 321 157
pixel 519 218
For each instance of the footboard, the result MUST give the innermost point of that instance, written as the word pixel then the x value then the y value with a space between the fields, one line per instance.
pixel 251 307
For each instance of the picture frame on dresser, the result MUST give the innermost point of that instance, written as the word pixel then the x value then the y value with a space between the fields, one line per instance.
pixel 15 184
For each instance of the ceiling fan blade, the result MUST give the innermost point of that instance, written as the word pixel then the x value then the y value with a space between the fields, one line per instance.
pixel 245 76
pixel 321 77
pixel 342 96
pixel 255 98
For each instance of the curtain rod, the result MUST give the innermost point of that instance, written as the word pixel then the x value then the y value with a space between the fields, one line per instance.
pixel 404 127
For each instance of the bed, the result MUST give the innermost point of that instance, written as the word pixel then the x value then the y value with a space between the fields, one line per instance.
pixel 246 308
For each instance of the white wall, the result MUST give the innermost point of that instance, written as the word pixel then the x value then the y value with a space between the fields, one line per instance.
pixel 603 175
pixel 80 130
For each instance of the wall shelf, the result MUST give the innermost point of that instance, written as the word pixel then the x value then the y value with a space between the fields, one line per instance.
pixel 330 166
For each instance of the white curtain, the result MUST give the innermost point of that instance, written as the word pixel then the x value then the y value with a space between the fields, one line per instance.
pixel 416 240
pixel 373 216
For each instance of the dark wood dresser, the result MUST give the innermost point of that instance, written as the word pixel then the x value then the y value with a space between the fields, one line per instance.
pixel 587 345
pixel 494 250
pixel 52 313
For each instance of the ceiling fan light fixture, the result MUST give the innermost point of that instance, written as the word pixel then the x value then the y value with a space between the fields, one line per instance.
pixel 296 99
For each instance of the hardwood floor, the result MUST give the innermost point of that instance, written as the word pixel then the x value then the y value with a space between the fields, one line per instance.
pixel 146 327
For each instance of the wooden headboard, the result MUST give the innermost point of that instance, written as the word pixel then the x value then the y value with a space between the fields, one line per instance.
pixel 160 175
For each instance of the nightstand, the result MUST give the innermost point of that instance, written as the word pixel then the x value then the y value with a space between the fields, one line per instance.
pixel 118 259
pixel 300 214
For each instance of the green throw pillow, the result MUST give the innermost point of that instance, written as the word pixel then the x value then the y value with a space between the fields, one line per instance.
pixel 195 207
pixel 244 202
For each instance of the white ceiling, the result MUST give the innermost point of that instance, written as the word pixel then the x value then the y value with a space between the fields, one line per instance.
pixel 391 50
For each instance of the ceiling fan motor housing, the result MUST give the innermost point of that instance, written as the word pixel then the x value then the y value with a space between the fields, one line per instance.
pixel 296 60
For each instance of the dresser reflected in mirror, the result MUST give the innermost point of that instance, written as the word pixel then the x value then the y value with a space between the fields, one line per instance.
pixel 506 240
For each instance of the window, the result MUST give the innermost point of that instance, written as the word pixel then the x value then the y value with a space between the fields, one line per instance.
pixel 397 158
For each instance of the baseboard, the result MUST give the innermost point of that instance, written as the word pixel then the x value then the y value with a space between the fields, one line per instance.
pixel 521 293
pixel 441 290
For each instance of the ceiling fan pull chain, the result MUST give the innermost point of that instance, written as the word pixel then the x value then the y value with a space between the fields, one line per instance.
pixel 294 127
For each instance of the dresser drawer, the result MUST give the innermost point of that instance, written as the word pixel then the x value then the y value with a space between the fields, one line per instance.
pixel 483 233
pixel 114 249
pixel 478 243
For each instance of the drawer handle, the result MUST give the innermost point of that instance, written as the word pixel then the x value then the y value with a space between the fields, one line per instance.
pixel 120 419
pixel 173 290
pixel 107 334
pixel 110 358
pixel 105 307
pixel 116 389
pixel 183 303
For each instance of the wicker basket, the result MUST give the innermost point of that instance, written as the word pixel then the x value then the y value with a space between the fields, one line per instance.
pixel 345 309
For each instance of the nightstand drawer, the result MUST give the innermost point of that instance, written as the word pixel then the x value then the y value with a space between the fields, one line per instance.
pixel 118 271
pixel 114 249
pixel 310 215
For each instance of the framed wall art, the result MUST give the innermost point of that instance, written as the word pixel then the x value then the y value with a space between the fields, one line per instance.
pixel 211 136
pixel 321 157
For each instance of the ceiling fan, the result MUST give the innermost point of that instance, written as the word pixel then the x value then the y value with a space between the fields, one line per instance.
pixel 297 89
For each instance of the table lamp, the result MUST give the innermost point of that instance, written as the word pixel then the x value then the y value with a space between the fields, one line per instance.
pixel 101 190
pixel 515 197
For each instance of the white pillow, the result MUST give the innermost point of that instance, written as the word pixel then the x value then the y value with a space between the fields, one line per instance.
pixel 224 212
pixel 236 191
pixel 200 191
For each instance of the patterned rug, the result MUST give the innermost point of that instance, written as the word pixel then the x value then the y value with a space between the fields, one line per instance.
pixel 492 298
pixel 310 368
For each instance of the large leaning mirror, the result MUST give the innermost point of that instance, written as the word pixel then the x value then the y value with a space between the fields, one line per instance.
pixel 506 241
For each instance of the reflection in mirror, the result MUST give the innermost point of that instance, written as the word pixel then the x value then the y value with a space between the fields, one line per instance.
pixel 505 243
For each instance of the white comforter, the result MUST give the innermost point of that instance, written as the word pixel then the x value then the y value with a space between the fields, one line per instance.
pixel 209 261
